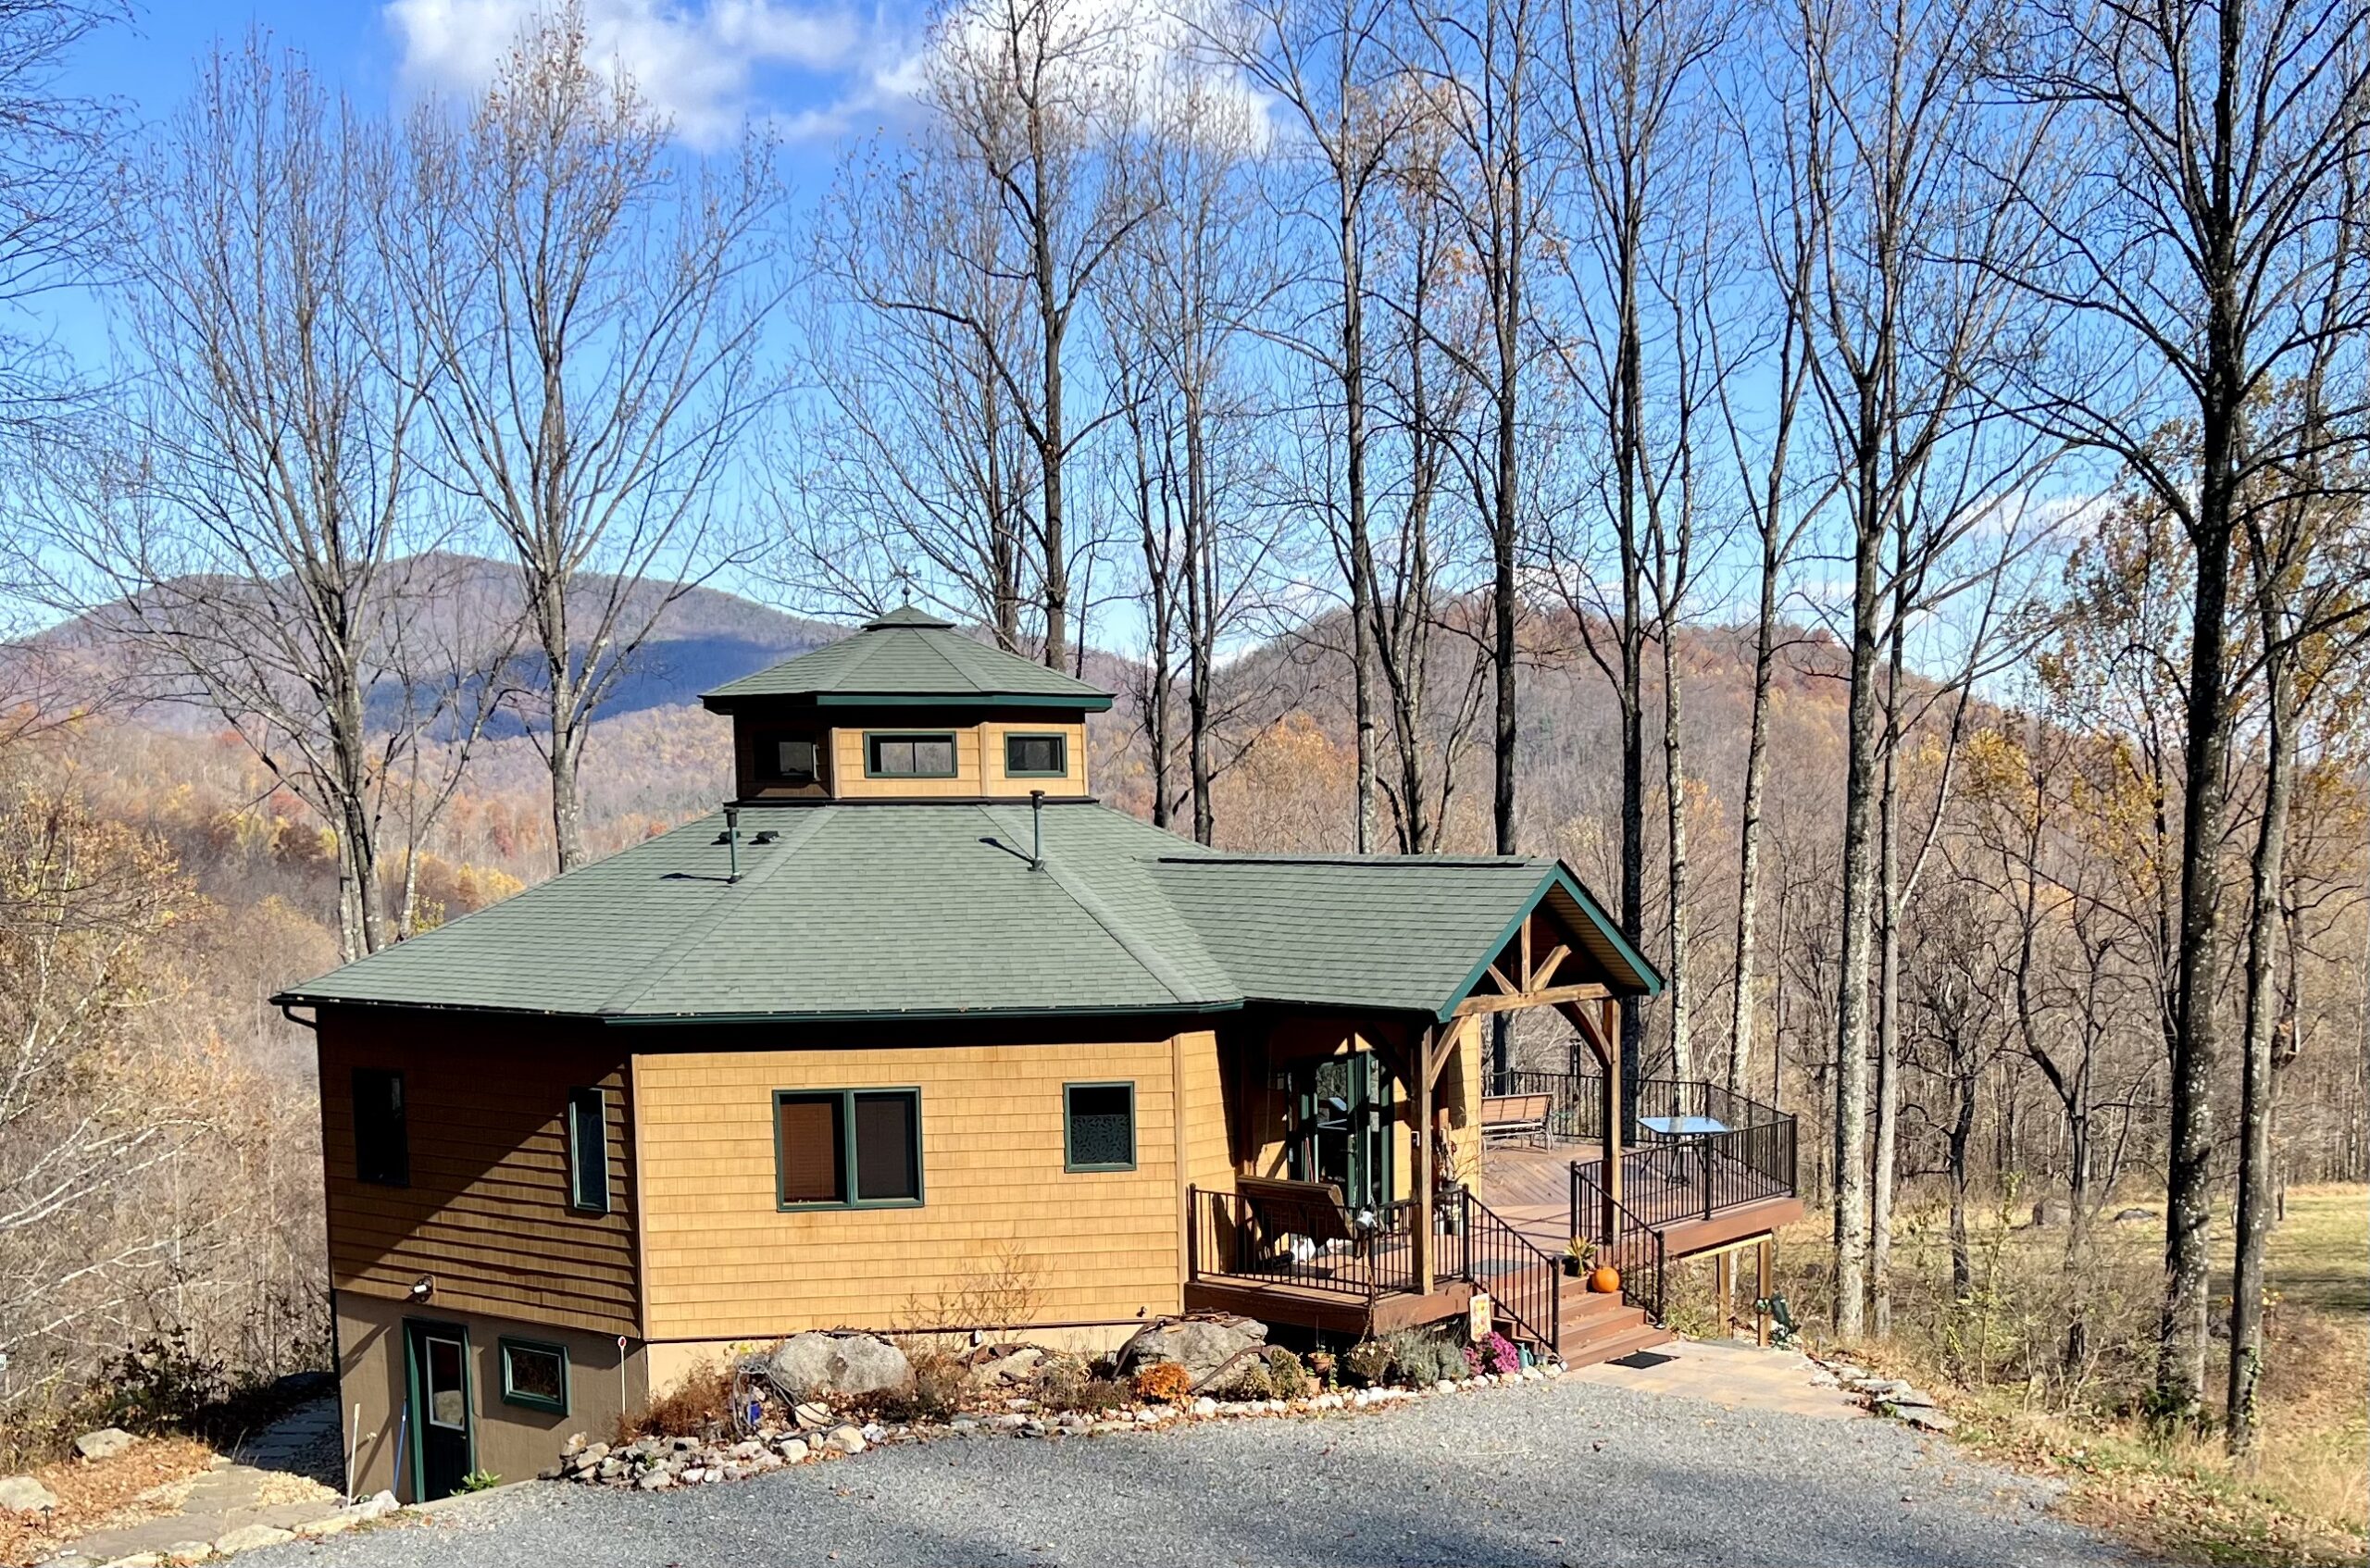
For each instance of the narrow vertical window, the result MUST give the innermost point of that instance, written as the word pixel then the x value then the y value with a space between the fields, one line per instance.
pixel 588 1151
pixel 382 1135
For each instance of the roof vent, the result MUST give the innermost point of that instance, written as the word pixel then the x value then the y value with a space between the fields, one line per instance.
pixel 1036 829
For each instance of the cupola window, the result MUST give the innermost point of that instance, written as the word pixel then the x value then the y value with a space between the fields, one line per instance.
pixel 909 756
pixel 1036 756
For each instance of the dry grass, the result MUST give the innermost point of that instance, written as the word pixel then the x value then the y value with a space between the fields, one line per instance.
pixel 700 1406
pixel 1997 1356
pixel 102 1494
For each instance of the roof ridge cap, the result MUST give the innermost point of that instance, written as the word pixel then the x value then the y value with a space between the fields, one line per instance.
pixel 928 636
pixel 785 848
pixel 1150 959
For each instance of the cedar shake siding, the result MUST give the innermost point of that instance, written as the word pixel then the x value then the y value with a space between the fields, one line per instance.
pixel 725 1261
pixel 486 1211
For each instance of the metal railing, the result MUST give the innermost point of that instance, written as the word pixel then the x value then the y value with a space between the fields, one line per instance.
pixel 1634 1247
pixel 1523 1282
pixel 1228 1234
pixel 1576 1102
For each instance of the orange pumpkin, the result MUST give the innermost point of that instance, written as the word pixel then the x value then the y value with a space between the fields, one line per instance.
pixel 1606 1281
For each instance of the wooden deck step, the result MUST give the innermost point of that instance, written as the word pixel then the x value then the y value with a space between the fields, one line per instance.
pixel 1644 1337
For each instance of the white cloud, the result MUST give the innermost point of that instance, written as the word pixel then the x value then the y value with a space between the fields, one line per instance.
pixel 697 61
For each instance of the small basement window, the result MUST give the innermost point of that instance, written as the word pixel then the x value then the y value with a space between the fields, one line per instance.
pixel 1099 1126
pixel 1036 756
pixel 847 1147
pixel 534 1374
pixel 788 760
pixel 909 756
pixel 381 1138
pixel 588 1151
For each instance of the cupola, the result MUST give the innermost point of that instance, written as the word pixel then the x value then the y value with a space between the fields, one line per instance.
pixel 908 708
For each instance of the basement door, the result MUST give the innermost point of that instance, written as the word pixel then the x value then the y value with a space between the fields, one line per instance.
pixel 436 1366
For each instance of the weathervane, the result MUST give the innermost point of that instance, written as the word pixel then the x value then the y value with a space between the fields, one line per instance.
pixel 904 576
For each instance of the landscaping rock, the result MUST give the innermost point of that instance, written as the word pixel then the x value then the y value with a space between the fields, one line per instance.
pixel 252 1536
pixel 1016 1368
pixel 22 1494
pixel 656 1481
pixel 335 1523
pixel 807 1366
pixel 105 1443
pixel 1200 1345
pixel 180 1554
pixel 1922 1415
pixel 376 1506
pixel 844 1439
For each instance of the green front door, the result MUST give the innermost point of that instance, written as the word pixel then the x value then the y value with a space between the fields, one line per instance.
pixel 436 1366
pixel 1342 1126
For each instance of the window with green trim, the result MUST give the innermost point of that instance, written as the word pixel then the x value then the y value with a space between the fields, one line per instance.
pixel 1099 1126
pixel 909 756
pixel 588 1151
pixel 847 1147
pixel 534 1373
pixel 1036 756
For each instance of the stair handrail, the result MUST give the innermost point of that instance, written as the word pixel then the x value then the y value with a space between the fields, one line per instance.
pixel 1635 1248
pixel 1534 1277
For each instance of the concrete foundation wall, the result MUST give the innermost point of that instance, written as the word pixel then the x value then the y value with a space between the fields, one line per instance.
pixel 513 1441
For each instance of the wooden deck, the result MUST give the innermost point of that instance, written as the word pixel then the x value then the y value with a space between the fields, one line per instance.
pixel 1531 1186
pixel 1332 1312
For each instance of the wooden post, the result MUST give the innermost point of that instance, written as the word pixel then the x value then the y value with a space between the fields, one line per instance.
pixel 1422 1053
pixel 1609 1029
pixel 1767 1252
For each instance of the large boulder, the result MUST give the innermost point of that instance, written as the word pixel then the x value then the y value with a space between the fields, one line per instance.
pixel 22 1494
pixel 813 1366
pixel 1200 1345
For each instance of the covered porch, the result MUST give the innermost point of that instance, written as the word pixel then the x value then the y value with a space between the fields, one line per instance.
pixel 1384 1178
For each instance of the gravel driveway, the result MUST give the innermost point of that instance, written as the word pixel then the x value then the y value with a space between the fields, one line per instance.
pixel 1559 1472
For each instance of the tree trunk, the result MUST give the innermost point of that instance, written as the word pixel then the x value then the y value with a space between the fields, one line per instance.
pixel 1756 775
pixel 1850 1213
pixel 1682 1059
pixel 1884 1157
pixel 2255 1065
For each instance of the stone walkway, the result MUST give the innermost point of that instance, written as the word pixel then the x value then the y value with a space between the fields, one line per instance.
pixel 281 1481
pixel 1732 1376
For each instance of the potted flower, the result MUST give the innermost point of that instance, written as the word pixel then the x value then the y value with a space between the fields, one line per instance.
pixel 1576 1257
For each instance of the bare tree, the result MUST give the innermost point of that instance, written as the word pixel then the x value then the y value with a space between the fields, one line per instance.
pixel 1630 81
pixel 1903 351
pixel 1178 298
pixel 2208 144
pixel 919 476
pixel 242 518
pixel 593 316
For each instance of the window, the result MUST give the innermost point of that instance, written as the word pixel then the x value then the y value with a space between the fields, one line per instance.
pixel 448 1383
pixel 381 1144
pixel 847 1147
pixel 788 760
pixel 1099 1126
pixel 588 1151
pixel 534 1374
pixel 909 756
pixel 1036 756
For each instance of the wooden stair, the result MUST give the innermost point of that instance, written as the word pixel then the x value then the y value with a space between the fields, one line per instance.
pixel 1600 1328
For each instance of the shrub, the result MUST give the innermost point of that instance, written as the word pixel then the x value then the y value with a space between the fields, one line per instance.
pixel 1290 1378
pixel 479 1480
pixel 1368 1361
pixel 1421 1357
pixel 700 1406
pixel 1164 1381
pixel 1497 1353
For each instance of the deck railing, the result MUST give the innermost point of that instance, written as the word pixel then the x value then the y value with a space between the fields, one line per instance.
pixel 1633 1247
pixel 1521 1281
pixel 1228 1234
pixel 1576 1102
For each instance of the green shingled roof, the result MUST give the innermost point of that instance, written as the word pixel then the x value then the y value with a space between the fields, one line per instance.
pixel 845 911
pixel 906 656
